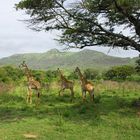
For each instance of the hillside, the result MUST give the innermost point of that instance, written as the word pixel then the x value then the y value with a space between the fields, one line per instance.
pixel 54 59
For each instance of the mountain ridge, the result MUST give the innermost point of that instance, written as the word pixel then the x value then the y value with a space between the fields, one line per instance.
pixel 54 58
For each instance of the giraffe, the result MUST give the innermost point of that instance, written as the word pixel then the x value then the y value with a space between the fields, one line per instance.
pixel 32 83
pixel 86 85
pixel 66 84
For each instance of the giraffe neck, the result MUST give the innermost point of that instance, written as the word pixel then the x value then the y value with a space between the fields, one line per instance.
pixel 28 73
pixel 82 78
pixel 62 76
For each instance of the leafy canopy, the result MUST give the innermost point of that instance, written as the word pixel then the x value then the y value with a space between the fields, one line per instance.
pixel 119 72
pixel 87 22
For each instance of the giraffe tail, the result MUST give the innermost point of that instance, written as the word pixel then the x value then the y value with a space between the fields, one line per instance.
pixel 38 94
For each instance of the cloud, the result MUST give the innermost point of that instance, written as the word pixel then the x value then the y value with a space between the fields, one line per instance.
pixel 15 37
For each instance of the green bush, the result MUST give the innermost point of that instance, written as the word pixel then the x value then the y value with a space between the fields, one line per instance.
pixel 73 75
pixel 91 74
pixel 44 76
pixel 138 66
pixel 38 75
pixel 119 72
pixel 10 74
pixel 134 77
pixel 51 75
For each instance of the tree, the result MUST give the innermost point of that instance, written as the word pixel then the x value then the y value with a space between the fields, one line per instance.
pixel 119 72
pixel 91 74
pixel 87 22
pixel 10 74
pixel 73 76
pixel 138 66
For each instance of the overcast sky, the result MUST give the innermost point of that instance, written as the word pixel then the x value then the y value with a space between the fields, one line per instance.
pixel 16 38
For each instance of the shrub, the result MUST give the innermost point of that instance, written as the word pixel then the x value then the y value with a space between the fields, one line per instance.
pixel 51 75
pixel 91 74
pixel 38 75
pixel 134 77
pixel 138 66
pixel 119 72
pixel 44 76
pixel 73 75
pixel 10 74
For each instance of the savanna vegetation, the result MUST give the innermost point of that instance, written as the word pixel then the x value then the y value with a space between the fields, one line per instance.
pixel 114 114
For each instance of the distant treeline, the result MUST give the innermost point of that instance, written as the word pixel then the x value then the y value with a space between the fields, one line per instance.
pixel 10 74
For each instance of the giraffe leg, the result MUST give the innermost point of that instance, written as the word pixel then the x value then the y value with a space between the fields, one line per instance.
pixel 38 94
pixel 72 94
pixel 38 97
pixel 61 90
pixel 28 96
pixel 91 96
pixel 84 95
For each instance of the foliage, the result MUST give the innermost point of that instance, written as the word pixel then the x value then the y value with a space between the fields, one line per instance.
pixel 91 74
pixel 134 77
pixel 39 75
pixel 119 72
pixel 72 76
pixel 10 74
pixel 138 66
pixel 51 75
pixel 87 22
pixel 44 76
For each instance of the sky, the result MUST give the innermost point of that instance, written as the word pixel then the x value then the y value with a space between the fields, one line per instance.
pixel 16 38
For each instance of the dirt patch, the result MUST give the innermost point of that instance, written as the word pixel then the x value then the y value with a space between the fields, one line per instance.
pixel 30 136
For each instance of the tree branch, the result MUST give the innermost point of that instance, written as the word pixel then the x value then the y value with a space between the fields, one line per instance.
pixel 131 18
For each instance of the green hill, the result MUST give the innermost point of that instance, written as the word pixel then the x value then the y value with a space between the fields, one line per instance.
pixel 68 60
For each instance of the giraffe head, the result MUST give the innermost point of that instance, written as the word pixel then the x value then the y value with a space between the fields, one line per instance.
pixel 23 65
pixel 58 71
pixel 76 70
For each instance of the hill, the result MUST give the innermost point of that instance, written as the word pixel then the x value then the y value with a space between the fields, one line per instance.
pixel 68 60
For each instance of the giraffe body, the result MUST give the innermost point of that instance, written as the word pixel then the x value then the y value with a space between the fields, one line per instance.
pixel 32 83
pixel 66 84
pixel 86 86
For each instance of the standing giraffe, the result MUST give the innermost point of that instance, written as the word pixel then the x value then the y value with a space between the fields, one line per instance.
pixel 85 85
pixel 32 83
pixel 66 84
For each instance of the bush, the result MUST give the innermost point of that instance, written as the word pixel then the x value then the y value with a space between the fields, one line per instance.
pixel 73 75
pixel 51 75
pixel 44 76
pixel 38 75
pixel 134 77
pixel 138 66
pixel 91 74
pixel 10 74
pixel 119 72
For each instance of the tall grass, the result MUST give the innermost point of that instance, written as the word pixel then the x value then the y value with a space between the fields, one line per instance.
pixel 111 115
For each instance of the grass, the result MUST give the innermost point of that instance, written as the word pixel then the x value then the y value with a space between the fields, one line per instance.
pixel 111 116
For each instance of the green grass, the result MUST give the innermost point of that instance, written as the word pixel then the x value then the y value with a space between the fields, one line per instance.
pixel 111 116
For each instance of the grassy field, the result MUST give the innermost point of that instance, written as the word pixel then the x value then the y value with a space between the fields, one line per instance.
pixel 111 116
